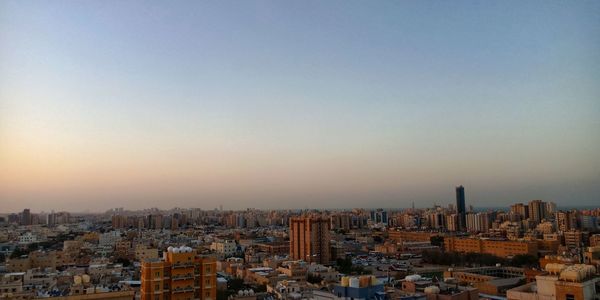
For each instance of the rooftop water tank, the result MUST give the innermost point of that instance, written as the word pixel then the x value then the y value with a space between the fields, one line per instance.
pixel 412 278
pixel 364 281
pixel 432 290
pixel 354 282
pixel 345 281
pixel 554 268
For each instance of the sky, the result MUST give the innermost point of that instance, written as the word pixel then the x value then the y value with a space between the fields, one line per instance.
pixel 297 104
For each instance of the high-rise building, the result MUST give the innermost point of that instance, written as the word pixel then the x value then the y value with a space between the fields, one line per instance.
pixel 119 221
pixel 436 220
pixel 478 222
pixel 181 274
pixel 310 239
pixel 452 222
pixel 379 216
pixel 537 210
pixel 550 210
pixel 460 206
pixel 566 220
pixel 521 210
pixel 26 217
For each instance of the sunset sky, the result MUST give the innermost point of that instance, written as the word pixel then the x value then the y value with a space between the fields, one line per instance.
pixel 297 104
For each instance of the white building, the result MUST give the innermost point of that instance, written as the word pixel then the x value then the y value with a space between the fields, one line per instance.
pixel 226 248
pixel 28 238
pixel 109 238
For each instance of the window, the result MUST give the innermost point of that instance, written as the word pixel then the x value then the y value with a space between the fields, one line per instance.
pixel 569 297
pixel 157 286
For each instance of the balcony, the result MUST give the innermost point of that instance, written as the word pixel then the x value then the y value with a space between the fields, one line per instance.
pixel 182 277
pixel 187 289
pixel 182 265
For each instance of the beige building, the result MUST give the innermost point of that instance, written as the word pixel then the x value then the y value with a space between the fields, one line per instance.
pixel 561 282
pixel 143 253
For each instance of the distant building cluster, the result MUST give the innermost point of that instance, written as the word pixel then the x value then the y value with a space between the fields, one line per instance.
pixel 527 251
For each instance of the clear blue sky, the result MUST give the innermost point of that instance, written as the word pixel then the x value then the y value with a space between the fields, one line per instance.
pixel 298 103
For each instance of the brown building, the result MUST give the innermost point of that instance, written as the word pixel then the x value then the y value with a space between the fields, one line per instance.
pixel 520 209
pixel 501 248
pixel 573 239
pixel 275 248
pixel 548 246
pixel 537 211
pixel 181 274
pixel 488 280
pixel 310 239
pixel 118 295
pixel 411 236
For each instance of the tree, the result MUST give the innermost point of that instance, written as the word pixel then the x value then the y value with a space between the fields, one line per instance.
pixel 437 241
pixel 524 260
pixel 344 265
pixel 461 259
pixel 314 279
pixel 124 261
pixel 260 288
pixel 235 284
pixel 18 252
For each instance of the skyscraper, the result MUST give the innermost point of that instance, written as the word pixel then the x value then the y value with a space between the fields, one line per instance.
pixel 460 206
pixel 310 239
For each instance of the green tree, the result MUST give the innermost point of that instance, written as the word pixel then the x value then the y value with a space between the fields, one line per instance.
pixel 235 284
pixel 314 279
pixel 18 252
pixel 524 260
pixel 124 261
pixel 437 241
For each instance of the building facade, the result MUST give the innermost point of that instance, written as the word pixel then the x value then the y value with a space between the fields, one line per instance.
pixel 501 248
pixel 460 206
pixel 310 239
pixel 181 274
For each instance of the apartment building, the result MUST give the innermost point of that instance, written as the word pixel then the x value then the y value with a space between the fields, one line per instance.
pixel 180 274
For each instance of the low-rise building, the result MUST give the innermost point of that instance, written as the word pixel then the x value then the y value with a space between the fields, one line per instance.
pixel 501 248
pixel 561 282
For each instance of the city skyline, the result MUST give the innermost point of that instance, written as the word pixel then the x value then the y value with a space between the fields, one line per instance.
pixel 297 105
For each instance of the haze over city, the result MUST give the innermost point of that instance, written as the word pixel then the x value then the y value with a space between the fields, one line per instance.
pixel 307 104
